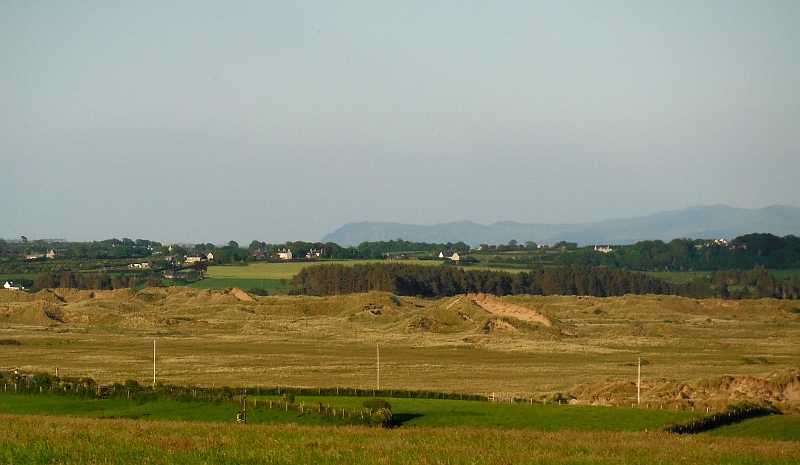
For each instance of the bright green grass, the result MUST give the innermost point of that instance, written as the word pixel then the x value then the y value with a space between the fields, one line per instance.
pixel 39 439
pixel 552 417
pixel 286 270
pixel 282 270
pixel 167 410
pixel 409 412
pixel 779 427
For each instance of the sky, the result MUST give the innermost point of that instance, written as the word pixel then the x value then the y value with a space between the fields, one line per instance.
pixel 282 121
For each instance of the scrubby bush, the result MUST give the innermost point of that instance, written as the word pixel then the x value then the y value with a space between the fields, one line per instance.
pixel 373 405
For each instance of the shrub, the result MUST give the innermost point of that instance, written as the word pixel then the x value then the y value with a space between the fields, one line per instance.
pixel 373 405
pixel 260 291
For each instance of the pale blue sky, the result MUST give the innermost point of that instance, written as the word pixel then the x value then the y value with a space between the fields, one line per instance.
pixel 281 121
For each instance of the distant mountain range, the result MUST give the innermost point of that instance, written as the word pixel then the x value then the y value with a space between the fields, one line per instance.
pixel 701 222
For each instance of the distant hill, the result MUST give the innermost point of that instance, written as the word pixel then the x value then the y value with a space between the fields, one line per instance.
pixel 700 222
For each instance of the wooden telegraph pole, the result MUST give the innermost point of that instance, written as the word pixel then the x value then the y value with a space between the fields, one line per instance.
pixel 378 351
pixel 639 384
pixel 244 407
pixel 154 363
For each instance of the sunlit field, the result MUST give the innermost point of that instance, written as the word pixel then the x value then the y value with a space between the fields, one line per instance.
pixel 693 352
pixel 37 439
pixel 450 345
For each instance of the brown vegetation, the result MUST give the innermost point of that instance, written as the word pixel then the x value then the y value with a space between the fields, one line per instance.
pixel 698 353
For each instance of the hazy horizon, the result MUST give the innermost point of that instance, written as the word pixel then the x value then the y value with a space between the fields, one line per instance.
pixel 244 243
pixel 278 121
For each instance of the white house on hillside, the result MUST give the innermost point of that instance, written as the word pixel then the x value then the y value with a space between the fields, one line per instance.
pixel 313 253
pixel 450 256
pixel 284 254
pixel 13 286
pixel 196 258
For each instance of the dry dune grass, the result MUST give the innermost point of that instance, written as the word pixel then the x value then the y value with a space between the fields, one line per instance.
pixel 502 345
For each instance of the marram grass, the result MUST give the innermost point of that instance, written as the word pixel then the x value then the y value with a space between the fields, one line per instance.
pixel 37 439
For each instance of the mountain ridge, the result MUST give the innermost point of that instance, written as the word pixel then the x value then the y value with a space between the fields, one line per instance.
pixel 696 222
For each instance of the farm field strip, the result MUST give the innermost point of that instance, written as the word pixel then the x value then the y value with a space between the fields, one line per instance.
pixel 410 412
pixel 38 439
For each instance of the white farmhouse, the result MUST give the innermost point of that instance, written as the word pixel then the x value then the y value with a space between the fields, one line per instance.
pixel 450 256
pixel 284 254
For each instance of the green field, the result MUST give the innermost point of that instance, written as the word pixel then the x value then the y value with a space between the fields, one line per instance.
pixel 776 427
pixel 409 412
pixel 272 276
pixel 33 439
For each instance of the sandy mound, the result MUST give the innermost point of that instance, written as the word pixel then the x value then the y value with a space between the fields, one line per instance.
pixel 496 306
pixel 241 295
pixel 715 392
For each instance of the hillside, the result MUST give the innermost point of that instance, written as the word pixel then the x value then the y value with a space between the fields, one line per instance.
pixel 701 222
pixel 694 352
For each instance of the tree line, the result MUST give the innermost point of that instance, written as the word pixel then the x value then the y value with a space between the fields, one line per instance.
pixel 92 281
pixel 444 281
pixel 743 253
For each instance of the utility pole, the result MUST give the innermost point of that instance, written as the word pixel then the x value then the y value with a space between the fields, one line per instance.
pixel 244 407
pixel 639 384
pixel 154 363
pixel 378 350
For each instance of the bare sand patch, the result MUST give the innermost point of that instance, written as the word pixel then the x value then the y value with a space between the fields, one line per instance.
pixel 241 295
pixel 496 306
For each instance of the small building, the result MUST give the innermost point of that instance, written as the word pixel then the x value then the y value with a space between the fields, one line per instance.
pixel 313 254
pixel 141 266
pixel 284 254
pixel 602 249
pixel 210 256
pixel 51 254
pixel 450 256
pixel 13 286
pixel 196 258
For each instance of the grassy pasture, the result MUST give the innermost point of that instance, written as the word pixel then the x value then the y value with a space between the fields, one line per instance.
pixel 776 427
pixel 286 270
pixel 409 412
pixel 38 439
pixel 439 413
pixel 259 270
pixel 163 410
